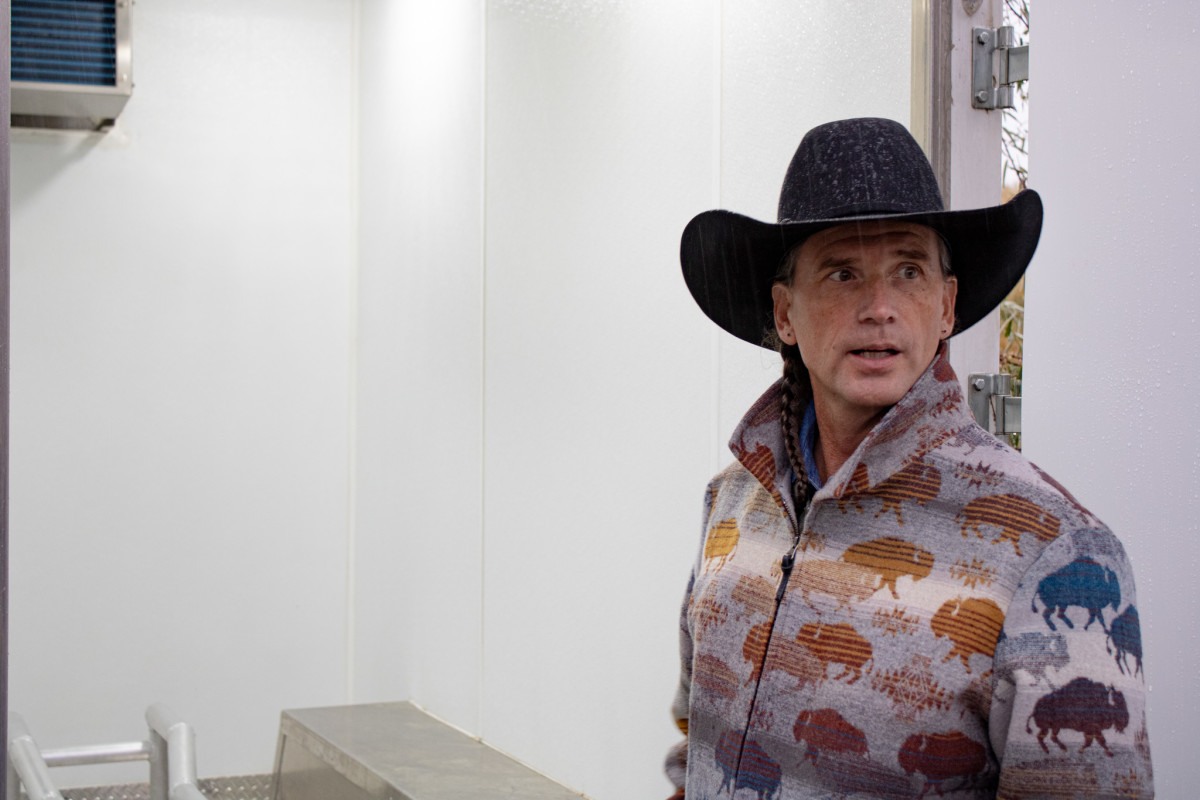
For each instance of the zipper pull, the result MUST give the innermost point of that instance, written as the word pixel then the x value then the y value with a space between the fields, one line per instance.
pixel 789 558
pixel 789 561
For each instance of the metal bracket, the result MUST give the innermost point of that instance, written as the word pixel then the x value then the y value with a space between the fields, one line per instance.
pixel 988 91
pixel 990 399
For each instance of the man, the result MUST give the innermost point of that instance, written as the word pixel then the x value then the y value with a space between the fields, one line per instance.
pixel 888 602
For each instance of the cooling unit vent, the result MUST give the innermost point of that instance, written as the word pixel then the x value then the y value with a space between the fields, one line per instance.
pixel 71 62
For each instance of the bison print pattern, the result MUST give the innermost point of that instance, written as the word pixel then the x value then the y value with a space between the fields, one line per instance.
pixel 846 583
pixel 1012 515
pixel 972 625
pixel 1036 652
pixel 713 675
pixel 836 644
pixel 760 462
pixel 722 541
pixel 754 648
pixel 1082 705
pixel 890 559
pixel 942 757
pixel 918 482
pixel 754 596
pixel 799 662
pixel 1125 636
pixel 824 730
pixel 1082 583
pixel 756 771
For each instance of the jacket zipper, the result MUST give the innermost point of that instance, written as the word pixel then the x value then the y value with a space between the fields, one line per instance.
pixel 789 558
pixel 789 561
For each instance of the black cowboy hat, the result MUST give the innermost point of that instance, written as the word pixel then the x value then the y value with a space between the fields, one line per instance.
pixel 849 171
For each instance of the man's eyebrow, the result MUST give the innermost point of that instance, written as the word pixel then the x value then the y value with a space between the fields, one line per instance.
pixel 912 252
pixel 834 262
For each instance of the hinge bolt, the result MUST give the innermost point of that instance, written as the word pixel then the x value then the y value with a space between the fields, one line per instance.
pixel 983 37
pixel 981 96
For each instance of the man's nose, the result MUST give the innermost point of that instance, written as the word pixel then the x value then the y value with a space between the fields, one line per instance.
pixel 878 301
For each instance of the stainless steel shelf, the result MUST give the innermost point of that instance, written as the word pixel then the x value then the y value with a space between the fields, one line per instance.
pixel 398 752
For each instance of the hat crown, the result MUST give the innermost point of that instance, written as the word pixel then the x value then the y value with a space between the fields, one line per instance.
pixel 856 168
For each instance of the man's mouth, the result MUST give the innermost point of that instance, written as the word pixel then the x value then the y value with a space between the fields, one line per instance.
pixel 868 352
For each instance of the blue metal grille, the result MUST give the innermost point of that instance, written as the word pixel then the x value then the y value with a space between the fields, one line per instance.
pixel 65 41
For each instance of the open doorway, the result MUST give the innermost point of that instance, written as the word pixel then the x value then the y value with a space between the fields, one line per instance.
pixel 1014 176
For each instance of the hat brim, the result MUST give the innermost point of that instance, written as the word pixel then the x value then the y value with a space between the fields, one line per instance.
pixel 730 260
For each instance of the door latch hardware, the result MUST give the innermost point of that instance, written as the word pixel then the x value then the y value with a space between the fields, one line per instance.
pixel 1012 66
pixel 995 409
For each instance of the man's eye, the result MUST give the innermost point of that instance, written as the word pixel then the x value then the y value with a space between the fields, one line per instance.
pixel 910 271
pixel 841 275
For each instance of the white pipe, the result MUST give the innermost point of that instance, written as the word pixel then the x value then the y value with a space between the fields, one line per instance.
pixel 27 761
pixel 181 752
pixel 97 754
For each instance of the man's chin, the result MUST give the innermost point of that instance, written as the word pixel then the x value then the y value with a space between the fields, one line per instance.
pixel 876 400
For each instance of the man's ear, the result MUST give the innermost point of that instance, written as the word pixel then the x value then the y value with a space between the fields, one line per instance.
pixel 782 297
pixel 949 295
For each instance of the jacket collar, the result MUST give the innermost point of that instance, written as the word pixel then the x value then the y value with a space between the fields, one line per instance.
pixel 931 412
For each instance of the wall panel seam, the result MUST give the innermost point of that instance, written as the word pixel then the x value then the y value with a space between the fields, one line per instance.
pixel 483 372
pixel 352 328
pixel 717 144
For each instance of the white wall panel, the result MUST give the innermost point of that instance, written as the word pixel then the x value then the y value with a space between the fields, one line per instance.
pixel 599 403
pixel 608 397
pixel 1111 323
pixel 420 346
pixel 537 403
pixel 787 67
pixel 179 407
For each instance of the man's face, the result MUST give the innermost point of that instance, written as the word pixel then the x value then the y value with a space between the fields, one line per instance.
pixel 867 306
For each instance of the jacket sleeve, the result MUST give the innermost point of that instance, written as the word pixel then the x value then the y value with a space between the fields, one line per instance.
pixel 1068 712
pixel 676 763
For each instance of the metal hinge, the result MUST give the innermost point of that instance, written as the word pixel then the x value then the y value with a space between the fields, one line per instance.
pixel 1012 66
pixel 990 399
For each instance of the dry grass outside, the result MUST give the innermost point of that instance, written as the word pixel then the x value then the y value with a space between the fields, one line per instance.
pixel 1012 334
pixel 1014 176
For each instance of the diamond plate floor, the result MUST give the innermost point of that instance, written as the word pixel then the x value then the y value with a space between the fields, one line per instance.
pixel 237 787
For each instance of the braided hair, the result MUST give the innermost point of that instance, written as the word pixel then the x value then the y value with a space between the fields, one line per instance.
pixel 795 394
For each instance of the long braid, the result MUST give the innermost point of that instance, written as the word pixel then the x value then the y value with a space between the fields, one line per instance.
pixel 796 391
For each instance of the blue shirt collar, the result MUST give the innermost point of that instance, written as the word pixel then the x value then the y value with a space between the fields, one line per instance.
pixel 808 443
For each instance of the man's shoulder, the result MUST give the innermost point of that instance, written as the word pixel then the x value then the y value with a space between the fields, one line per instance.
pixel 978 468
